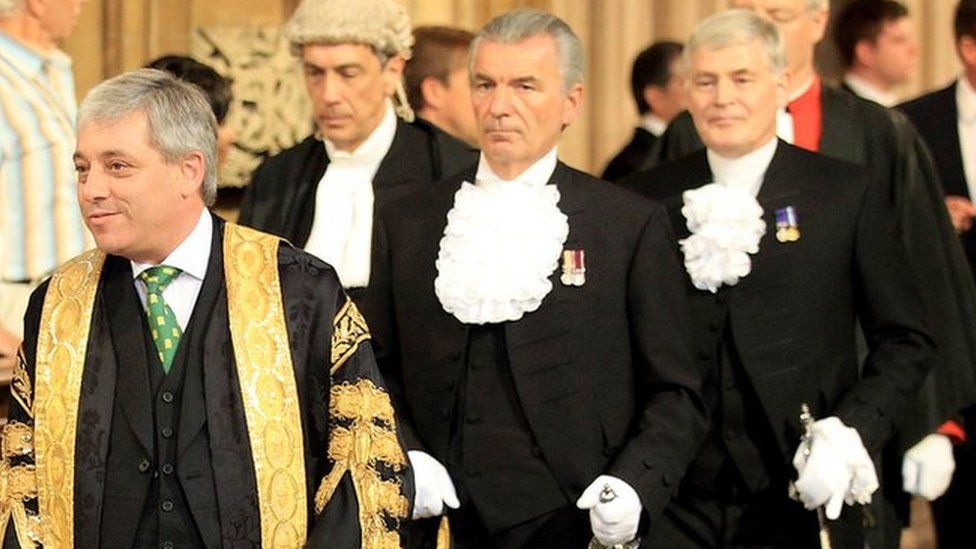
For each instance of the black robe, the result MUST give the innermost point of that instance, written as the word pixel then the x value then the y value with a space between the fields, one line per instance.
pixel 213 409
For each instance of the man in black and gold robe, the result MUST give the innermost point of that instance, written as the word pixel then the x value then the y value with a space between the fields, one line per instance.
pixel 239 405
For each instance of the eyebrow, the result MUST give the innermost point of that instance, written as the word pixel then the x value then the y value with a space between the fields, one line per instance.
pixel 344 66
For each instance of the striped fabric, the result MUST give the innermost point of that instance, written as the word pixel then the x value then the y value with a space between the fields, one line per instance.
pixel 40 224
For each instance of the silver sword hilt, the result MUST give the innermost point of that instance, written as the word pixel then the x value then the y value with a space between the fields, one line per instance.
pixel 606 496
pixel 806 442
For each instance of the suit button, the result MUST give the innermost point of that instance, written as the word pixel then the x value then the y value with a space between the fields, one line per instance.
pixel 473 419
pixel 722 298
pixel 144 466
pixel 450 385
pixel 472 473
pixel 713 326
pixel 166 432
pixel 731 434
pixel 167 506
pixel 167 469
pixel 445 413
pixel 455 356
pixel 167 397
pixel 704 355
pixel 168 545
pixel 536 451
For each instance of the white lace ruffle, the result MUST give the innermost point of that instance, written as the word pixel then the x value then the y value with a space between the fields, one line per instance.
pixel 501 244
pixel 726 225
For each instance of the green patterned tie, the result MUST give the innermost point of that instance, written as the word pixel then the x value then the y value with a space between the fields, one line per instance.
pixel 165 330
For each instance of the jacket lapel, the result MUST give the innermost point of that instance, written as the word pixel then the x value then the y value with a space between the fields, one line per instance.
pixel 843 136
pixel 127 324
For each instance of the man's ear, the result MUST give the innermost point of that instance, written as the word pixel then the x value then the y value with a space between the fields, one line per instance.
pixel 193 170
pixel 432 91
pixel 864 52
pixel 393 73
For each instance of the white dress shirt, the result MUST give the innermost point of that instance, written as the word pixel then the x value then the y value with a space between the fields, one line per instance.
pixel 342 229
pixel 745 172
pixel 867 90
pixel 192 257
pixel 654 124
pixel 966 106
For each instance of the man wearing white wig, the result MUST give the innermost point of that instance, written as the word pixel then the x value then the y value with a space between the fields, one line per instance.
pixel 321 194
pixel 783 249
pixel 532 325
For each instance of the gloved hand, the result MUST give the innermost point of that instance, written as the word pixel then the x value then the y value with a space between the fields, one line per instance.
pixel 927 467
pixel 613 520
pixel 837 470
pixel 433 485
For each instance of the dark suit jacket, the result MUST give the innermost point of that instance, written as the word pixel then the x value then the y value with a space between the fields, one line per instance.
pixel 936 117
pixel 602 371
pixel 635 156
pixel 792 317
pixel 883 141
pixel 281 197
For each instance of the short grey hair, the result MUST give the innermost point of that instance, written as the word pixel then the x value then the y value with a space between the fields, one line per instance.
pixel 736 27
pixel 516 26
pixel 179 117
pixel 8 7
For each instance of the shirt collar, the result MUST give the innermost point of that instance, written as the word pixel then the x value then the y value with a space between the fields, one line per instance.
pixel 966 100
pixel 654 124
pixel 192 256
pixel 29 61
pixel 745 172
pixel 868 90
pixel 537 174
pixel 376 145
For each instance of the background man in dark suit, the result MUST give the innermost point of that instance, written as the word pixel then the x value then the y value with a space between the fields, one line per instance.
pixel 783 249
pixel 191 383
pixel 841 125
pixel 321 194
pixel 533 322
pixel 946 119
pixel 878 48
pixel 659 94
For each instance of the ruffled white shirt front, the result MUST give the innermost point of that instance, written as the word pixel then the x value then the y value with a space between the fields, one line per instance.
pixel 502 242
pixel 725 219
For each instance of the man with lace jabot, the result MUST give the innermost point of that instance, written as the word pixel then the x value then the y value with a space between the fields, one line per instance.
pixel 531 322
pixel 783 249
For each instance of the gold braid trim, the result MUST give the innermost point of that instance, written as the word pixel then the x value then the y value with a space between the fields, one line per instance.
pixel 17 440
pixel 18 484
pixel 20 385
pixel 61 346
pixel 349 330
pixel 364 442
pixel 267 383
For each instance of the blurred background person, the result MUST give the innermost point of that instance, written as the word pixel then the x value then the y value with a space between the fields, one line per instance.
pixel 878 48
pixel 658 91
pixel 438 87
pixel 40 225
pixel 946 118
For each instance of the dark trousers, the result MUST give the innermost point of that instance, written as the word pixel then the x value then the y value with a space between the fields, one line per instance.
pixel 564 528
pixel 731 518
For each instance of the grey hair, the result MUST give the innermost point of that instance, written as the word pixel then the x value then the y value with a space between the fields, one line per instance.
pixel 8 7
pixel 736 27
pixel 180 118
pixel 516 26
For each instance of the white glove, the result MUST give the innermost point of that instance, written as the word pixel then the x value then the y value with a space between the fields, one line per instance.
pixel 433 486
pixel 837 470
pixel 615 520
pixel 926 469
